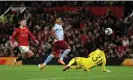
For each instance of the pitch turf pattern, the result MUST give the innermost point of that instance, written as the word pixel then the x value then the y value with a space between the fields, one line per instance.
pixel 56 73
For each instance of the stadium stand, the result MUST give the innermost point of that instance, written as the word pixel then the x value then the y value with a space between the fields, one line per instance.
pixel 84 30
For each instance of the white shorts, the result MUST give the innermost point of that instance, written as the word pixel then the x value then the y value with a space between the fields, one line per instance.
pixel 24 49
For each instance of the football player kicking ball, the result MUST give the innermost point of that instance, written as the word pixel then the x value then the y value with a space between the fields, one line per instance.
pixel 95 58
pixel 22 34
pixel 59 44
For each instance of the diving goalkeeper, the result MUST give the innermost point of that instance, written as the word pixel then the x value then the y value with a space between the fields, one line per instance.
pixel 96 57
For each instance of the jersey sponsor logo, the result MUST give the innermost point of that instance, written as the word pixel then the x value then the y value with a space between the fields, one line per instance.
pixel 23 35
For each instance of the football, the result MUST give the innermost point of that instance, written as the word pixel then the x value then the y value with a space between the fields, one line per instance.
pixel 108 31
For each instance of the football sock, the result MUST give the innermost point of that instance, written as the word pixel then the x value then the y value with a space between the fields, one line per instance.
pixel 19 58
pixel 75 67
pixel 71 62
pixel 65 53
pixel 32 57
pixel 49 58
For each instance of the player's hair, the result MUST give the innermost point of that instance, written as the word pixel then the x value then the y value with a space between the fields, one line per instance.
pixel 57 18
pixel 21 20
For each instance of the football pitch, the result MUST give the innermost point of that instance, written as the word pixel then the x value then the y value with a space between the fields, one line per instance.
pixel 32 72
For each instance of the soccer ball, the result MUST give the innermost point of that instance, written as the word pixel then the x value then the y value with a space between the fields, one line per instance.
pixel 108 31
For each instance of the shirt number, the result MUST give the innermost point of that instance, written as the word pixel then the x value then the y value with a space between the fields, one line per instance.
pixel 96 59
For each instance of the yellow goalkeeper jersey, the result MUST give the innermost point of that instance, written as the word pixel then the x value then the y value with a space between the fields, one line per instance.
pixel 97 57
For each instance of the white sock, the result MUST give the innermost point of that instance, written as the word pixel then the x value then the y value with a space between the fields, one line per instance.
pixel 65 53
pixel 49 58
pixel 14 60
pixel 39 65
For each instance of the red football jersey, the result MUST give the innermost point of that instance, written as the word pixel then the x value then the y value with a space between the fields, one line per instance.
pixel 21 35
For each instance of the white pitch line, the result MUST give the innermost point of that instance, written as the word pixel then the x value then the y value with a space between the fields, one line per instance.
pixel 65 78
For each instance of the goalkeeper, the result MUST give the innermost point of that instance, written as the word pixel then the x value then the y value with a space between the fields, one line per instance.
pixel 96 57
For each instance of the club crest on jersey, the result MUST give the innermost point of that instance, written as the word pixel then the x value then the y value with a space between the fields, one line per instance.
pixel 26 30
pixel 59 29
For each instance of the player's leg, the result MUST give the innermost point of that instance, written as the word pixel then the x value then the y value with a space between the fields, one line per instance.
pixel 71 63
pixel 86 68
pixel 20 57
pixel 67 48
pixel 75 67
pixel 87 64
pixel 78 62
pixel 25 52
pixel 29 54
pixel 48 59
pixel 17 60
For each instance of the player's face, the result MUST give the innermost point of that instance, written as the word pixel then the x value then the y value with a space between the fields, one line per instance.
pixel 23 22
pixel 59 20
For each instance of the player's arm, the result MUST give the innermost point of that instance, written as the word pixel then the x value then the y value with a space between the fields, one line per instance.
pixel 75 67
pixel 31 35
pixel 91 54
pixel 52 33
pixel 104 63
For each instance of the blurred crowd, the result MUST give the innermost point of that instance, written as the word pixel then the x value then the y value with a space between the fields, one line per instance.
pixel 83 30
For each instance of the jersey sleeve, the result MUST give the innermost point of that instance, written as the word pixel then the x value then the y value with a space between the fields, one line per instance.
pixel 52 32
pixel 91 54
pixel 14 35
pixel 54 28
pixel 94 52
pixel 31 35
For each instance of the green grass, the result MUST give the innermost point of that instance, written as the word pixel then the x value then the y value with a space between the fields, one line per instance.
pixel 55 73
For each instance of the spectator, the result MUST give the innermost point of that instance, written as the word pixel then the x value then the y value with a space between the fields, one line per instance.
pixel 27 15
pixel 84 31
pixel 125 41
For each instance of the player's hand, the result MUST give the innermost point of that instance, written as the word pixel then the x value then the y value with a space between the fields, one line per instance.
pixel 37 42
pixel 107 71
pixel 12 45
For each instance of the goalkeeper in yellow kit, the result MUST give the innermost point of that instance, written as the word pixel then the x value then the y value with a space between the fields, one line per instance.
pixel 96 57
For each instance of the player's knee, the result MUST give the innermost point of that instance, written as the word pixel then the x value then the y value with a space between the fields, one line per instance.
pixel 52 54
pixel 23 56
pixel 30 53
pixel 69 48
pixel 79 67
pixel 76 58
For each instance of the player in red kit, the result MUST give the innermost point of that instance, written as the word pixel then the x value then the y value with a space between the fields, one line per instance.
pixel 21 35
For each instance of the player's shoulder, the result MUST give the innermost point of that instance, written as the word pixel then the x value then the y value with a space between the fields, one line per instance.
pixel 16 29
pixel 25 27
pixel 56 25
pixel 98 50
